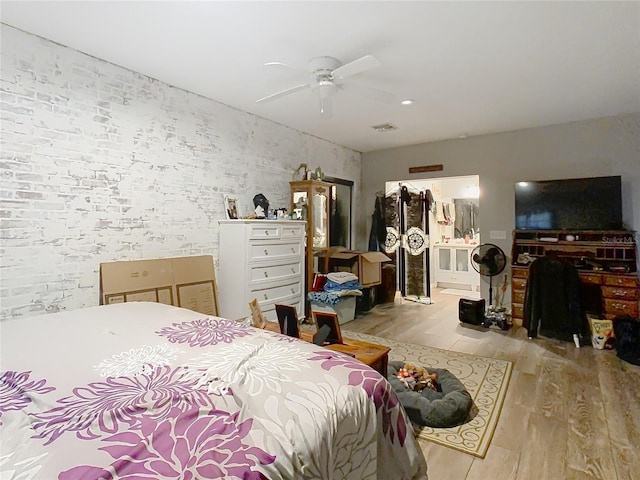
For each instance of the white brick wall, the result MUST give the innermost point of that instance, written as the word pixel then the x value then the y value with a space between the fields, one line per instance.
pixel 99 163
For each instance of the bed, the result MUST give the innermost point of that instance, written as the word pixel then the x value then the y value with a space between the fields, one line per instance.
pixel 150 391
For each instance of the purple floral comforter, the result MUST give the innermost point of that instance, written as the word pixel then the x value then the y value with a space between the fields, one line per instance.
pixel 149 391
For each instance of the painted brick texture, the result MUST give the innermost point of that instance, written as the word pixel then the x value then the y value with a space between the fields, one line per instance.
pixel 99 163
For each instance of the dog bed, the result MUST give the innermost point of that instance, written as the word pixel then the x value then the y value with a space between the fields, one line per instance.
pixel 441 409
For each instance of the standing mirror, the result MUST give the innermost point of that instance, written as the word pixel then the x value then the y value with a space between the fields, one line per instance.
pixel 340 220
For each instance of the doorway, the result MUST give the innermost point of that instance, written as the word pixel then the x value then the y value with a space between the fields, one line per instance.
pixel 454 231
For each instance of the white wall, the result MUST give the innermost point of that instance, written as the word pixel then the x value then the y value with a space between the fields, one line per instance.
pixel 100 163
pixel 599 147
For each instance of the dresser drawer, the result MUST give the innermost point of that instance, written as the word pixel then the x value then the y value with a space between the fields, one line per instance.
pixel 265 231
pixel 620 307
pixel 519 272
pixel 268 251
pixel 591 278
pixel 518 283
pixel 518 296
pixel 296 230
pixel 517 310
pixel 269 309
pixel 276 294
pixel 620 292
pixel 621 281
pixel 264 273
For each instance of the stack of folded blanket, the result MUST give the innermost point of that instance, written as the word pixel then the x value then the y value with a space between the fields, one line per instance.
pixel 334 286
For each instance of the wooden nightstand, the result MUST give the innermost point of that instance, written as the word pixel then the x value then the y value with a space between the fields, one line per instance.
pixel 374 355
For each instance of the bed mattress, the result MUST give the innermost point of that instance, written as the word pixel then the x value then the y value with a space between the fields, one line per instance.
pixel 151 391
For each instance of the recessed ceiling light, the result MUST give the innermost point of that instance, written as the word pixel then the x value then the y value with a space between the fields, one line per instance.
pixel 407 102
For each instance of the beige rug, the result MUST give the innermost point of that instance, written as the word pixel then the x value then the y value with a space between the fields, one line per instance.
pixel 486 379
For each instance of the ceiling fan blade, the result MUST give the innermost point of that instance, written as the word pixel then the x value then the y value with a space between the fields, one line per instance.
pixel 356 66
pixel 370 92
pixel 282 93
pixel 281 64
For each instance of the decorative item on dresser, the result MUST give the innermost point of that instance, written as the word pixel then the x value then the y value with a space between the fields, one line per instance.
pixel 310 200
pixel 261 259
pixel 606 263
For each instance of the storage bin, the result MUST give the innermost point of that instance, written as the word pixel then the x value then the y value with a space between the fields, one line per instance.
pixel 345 308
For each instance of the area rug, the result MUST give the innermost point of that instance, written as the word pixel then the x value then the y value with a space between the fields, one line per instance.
pixel 462 293
pixel 486 379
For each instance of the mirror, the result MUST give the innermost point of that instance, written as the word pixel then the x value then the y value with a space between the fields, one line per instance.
pixel 300 201
pixel 340 219
pixel 319 221
pixel 467 217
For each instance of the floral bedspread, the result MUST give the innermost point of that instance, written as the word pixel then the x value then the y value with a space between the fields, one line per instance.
pixel 150 391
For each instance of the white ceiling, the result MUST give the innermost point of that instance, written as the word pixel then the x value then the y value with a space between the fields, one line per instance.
pixel 471 67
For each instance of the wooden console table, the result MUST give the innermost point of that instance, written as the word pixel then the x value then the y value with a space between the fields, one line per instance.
pixel 372 354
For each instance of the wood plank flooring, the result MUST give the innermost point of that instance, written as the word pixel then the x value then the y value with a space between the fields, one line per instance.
pixel 569 413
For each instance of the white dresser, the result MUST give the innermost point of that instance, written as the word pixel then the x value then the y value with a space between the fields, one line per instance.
pixel 262 259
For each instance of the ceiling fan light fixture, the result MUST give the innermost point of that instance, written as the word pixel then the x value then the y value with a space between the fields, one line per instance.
pixel 326 90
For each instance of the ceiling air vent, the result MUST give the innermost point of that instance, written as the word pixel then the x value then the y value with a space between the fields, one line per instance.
pixel 385 127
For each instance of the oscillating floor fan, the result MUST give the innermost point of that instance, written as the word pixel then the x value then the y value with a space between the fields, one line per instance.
pixel 488 260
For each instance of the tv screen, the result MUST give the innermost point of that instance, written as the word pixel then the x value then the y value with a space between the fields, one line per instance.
pixel 571 204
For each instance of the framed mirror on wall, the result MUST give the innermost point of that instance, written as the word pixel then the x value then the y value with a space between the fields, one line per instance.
pixel 341 213
pixel 467 222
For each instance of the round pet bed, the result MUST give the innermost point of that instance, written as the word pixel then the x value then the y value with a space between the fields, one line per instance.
pixel 447 408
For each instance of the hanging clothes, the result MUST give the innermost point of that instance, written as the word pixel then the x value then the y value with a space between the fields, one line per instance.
pixel 378 232
pixel 552 300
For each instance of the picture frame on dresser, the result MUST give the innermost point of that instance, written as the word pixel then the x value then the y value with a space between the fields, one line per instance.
pixel 257 317
pixel 288 320
pixel 231 207
pixel 331 320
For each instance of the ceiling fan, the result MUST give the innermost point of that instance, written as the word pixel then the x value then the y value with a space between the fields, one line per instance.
pixel 327 75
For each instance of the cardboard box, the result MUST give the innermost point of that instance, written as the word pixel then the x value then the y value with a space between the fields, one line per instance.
pixel 187 282
pixel 366 265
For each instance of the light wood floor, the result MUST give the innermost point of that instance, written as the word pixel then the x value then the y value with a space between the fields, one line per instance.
pixel 569 413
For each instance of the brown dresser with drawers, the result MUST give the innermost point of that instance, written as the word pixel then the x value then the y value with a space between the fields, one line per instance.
pixel 606 263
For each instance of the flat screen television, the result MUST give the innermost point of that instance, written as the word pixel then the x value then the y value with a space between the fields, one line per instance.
pixel 570 204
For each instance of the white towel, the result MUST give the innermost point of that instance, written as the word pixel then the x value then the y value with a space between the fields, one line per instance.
pixel 440 213
pixel 342 277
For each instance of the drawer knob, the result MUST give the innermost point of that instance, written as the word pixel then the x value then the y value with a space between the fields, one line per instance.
pixel 619 306
pixel 266 275
pixel 293 270
pixel 293 290
pixel 293 250
pixel 265 297
pixel 266 252
pixel 266 232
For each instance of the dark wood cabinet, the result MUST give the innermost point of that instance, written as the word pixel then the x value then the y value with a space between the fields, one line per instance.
pixel 606 263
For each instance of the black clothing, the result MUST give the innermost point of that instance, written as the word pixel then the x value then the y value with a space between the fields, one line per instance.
pixel 552 300
pixel 378 232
